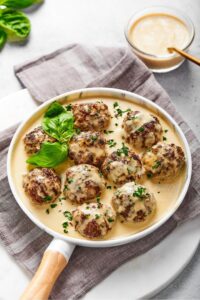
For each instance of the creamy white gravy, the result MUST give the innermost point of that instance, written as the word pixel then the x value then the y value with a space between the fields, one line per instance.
pixel 154 33
pixel 166 194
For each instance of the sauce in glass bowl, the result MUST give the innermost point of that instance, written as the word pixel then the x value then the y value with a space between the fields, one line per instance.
pixel 150 32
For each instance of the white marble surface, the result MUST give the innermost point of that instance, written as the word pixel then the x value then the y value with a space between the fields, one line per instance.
pixel 57 23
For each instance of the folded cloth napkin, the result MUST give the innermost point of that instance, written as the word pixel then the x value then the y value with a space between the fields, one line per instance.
pixel 73 67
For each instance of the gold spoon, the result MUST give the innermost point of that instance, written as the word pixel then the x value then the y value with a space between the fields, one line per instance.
pixel 185 54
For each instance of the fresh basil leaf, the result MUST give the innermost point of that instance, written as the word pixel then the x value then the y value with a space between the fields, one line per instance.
pixel 58 123
pixel 54 110
pixel 3 38
pixel 19 4
pixel 15 24
pixel 50 155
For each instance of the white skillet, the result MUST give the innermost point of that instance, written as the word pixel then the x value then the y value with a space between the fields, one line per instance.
pixel 60 249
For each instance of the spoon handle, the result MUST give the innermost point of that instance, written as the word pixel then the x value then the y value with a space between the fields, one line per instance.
pixel 185 54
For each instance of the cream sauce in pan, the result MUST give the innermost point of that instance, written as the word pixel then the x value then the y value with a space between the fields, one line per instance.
pixel 166 194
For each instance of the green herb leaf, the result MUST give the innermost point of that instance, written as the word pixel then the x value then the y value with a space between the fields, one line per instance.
pixel 123 150
pixel 111 143
pixel 65 225
pixel 156 165
pixel 68 215
pixel 53 205
pixel 3 38
pixel 110 220
pixel 97 216
pixel 141 129
pixel 47 198
pixel 109 187
pixel 140 192
pixel 15 24
pixel 19 4
pixel 108 131
pixel 149 175
pixel 58 122
pixel 50 155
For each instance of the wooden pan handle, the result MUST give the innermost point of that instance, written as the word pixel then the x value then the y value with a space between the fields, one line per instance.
pixel 52 264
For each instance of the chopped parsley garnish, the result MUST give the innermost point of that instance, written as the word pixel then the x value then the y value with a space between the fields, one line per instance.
pixel 66 188
pixel 97 216
pixel 93 138
pixel 149 175
pixel 68 215
pixel 78 131
pixel 118 111
pixel 140 129
pixel 108 131
pixel 100 174
pixel 65 225
pixel 98 201
pixel 68 107
pixel 140 192
pixel 65 231
pixel 47 211
pixel 110 220
pixel 53 205
pixel 156 165
pixel 47 198
pixel 109 187
pixel 122 150
pixel 69 180
pixel 111 143
pixel 134 117
pixel 116 124
pixel 166 130
pixel 164 138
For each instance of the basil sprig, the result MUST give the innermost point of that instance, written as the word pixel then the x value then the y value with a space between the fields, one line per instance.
pixel 59 124
pixel 3 38
pixel 50 155
pixel 19 4
pixel 15 24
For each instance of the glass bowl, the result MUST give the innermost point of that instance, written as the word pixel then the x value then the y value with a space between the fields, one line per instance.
pixel 160 63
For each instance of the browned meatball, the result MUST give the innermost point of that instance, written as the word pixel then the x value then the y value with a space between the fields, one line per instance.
pixel 35 138
pixel 88 148
pixel 91 116
pixel 42 185
pixel 142 130
pixel 120 168
pixel 164 161
pixel 134 203
pixel 83 183
pixel 94 220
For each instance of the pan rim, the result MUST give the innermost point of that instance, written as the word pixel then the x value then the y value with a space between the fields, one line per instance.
pixel 124 239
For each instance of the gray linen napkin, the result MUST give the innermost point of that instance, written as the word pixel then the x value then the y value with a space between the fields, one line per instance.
pixel 72 67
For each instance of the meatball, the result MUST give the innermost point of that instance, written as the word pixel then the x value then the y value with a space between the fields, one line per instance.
pixel 35 138
pixel 83 183
pixel 164 161
pixel 91 116
pixel 134 203
pixel 88 148
pixel 121 168
pixel 94 220
pixel 42 185
pixel 142 130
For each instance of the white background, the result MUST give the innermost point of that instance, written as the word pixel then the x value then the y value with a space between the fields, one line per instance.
pixel 59 22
